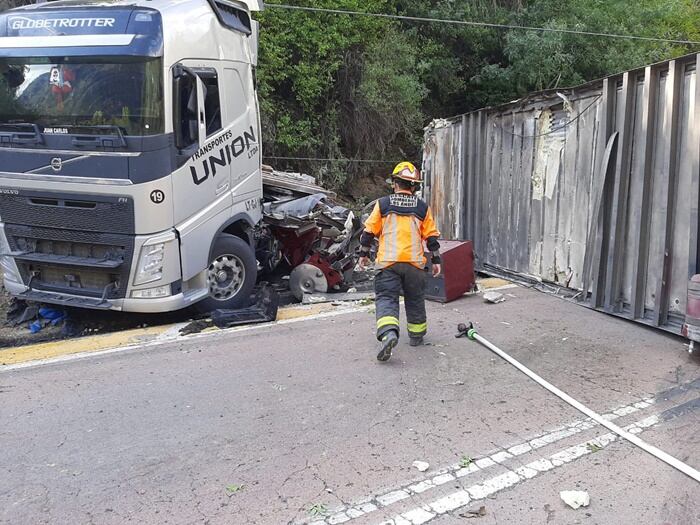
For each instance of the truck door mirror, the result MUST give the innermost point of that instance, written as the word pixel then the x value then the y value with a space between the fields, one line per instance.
pixel 186 108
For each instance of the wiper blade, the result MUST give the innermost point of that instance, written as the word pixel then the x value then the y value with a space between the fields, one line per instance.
pixel 105 133
pixel 21 133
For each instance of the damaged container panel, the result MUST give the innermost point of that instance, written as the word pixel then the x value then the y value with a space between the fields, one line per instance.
pixel 593 188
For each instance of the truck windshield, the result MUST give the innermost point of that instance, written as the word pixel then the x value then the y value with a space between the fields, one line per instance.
pixel 69 92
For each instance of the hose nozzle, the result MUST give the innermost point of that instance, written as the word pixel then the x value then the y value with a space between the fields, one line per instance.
pixel 466 331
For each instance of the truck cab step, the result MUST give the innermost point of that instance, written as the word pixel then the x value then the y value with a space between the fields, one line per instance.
pixel 65 300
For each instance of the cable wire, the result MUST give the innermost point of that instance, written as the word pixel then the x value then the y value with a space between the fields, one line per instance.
pixel 553 130
pixel 479 24
pixel 318 159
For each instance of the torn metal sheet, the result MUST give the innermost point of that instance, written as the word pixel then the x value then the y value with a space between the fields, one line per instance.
pixel 316 298
pixel 291 183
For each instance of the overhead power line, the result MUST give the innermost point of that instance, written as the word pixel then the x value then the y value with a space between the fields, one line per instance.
pixel 317 159
pixel 479 24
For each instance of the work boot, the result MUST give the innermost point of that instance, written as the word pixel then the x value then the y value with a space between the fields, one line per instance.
pixel 388 342
pixel 416 341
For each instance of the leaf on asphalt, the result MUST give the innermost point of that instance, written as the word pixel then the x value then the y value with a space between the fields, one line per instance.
pixel 234 488
pixel 318 509
pixel 465 461
pixel 594 447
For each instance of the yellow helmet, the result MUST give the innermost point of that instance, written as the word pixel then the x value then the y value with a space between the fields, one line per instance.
pixel 408 172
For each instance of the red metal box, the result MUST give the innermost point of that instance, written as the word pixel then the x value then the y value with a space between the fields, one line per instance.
pixel 457 272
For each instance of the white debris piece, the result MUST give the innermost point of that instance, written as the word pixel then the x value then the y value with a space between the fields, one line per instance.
pixel 422 466
pixel 575 498
pixel 494 297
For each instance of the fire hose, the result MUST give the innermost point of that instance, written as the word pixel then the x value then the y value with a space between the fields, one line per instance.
pixel 471 333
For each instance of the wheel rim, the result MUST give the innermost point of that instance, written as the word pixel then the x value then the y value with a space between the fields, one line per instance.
pixel 225 277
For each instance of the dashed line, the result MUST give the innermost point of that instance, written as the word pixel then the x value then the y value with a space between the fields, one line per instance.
pixel 446 475
pixel 463 497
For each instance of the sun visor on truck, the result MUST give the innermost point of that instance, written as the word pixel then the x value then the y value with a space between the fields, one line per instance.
pixel 106 31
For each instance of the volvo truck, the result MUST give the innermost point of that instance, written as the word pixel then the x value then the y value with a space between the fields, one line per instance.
pixel 130 153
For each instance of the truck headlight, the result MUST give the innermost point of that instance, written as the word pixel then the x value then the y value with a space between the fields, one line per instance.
pixel 150 267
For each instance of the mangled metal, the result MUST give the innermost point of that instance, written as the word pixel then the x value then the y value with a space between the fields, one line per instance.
pixel 307 234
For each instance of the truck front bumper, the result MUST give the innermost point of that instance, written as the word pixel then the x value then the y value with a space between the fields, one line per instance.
pixel 130 295
pixel 163 304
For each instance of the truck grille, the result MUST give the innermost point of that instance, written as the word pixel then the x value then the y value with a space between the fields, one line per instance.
pixel 71 261
pixel 54 210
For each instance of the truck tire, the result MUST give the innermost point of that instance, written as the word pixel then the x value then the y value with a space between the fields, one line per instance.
pixel 231 275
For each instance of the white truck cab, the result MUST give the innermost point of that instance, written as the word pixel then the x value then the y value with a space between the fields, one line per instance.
pixel 130 153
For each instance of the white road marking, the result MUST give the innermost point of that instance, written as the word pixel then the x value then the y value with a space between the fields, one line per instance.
pixel 442 479
pixel 387 499
pixel 442 476
pixel 463 497
pixel 173 335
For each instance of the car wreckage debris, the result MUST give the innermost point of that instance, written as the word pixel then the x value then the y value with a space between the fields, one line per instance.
pixel 263 311
pixel 306 234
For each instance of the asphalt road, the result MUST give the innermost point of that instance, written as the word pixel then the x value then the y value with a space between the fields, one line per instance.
pixel 298 423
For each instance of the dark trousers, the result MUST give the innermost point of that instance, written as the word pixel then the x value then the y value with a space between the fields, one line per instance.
pixel 388 285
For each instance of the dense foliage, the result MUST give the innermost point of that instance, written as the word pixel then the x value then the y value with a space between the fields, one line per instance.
pixel 353 87
pixel 350 87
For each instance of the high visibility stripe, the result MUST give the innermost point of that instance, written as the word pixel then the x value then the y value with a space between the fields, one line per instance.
pixel 412 230
pixel 390 239
pixel 387 321
pixel 418 242
pixel 394 238
pixel 418 328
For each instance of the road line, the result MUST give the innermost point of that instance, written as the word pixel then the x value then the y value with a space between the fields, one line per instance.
pixel 167 336
pixel 456 471
pixel 463 497
pixel 659 454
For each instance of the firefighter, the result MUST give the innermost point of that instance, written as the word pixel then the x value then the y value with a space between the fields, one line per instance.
pixel 402 223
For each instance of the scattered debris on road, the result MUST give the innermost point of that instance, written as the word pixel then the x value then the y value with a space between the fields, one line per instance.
pixel 47 316
pixel 337 297
pixel 480 513
pixel 575 498
pixel 422 466
pixel 494 297
pixel 263 311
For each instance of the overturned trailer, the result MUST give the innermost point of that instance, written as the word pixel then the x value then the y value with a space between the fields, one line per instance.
pixel 593 188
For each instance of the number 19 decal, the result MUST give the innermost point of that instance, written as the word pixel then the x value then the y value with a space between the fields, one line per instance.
pixel 157 196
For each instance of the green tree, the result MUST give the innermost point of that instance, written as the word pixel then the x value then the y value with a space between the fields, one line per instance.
pixel 535 60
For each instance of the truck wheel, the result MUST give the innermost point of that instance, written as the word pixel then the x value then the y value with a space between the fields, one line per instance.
pixel 231 275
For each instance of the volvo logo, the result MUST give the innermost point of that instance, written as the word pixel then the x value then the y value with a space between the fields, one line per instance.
pixel 56 164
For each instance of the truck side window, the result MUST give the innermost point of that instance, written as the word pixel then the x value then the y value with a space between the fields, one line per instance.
pixel 212 104
pixel 188 109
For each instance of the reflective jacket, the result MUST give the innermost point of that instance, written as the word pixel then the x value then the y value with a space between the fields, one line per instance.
pixel 402 223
